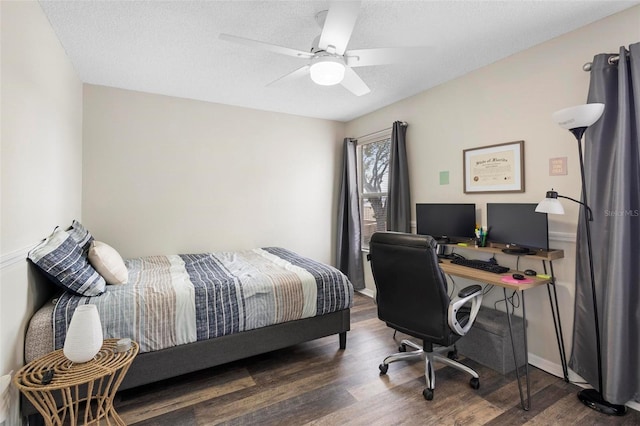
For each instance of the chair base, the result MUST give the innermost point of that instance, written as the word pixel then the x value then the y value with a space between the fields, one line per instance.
pixel 429 358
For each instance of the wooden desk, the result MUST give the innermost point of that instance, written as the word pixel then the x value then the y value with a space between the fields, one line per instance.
pixel 86 390
pixel 490 277
pixel 496 279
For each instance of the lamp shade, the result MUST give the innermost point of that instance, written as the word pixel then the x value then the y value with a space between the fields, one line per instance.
pixel 84 335
pixel 327 70
pixel 550 204
pixel 578 116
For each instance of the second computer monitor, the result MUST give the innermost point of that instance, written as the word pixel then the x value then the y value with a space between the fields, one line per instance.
pixel 518 225
pixel 446 222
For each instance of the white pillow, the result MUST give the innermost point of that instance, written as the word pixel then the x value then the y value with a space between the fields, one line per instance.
pixel 106 260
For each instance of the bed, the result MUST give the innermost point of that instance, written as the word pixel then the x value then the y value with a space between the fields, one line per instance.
pixel 195 311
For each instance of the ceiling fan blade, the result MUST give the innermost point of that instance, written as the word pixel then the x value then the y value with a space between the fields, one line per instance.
pixel 354 83
pixel 294 75
pixel 338 25
pixel 387 55
pixel 268 46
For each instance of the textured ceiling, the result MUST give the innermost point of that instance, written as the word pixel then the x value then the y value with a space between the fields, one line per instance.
pixel 172 48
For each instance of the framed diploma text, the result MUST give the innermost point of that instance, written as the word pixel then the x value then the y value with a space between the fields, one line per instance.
pixel 494 168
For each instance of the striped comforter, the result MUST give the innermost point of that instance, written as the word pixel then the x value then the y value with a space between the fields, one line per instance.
pixel 178 299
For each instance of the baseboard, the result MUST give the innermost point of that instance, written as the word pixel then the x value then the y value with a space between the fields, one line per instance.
pixel 633 405
pixel 553 368
pixel 367 292
pixel 556 370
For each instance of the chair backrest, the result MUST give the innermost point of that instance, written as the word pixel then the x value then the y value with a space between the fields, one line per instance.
pixel 411 288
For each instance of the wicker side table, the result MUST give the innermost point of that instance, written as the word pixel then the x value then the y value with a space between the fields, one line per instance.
pixel 78 393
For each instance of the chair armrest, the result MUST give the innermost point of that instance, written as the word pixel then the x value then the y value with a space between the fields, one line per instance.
pixel 472 294
pixel 468 291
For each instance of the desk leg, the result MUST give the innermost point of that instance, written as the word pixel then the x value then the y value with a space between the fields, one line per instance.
pixel 526 406
pixel 555 312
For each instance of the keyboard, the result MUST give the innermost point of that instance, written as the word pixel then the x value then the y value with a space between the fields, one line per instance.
pixel 481 265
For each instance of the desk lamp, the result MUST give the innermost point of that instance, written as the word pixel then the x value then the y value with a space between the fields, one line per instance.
pixel 577 119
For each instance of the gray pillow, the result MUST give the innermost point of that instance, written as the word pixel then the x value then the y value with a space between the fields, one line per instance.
pixel 62 260
pixel 80 235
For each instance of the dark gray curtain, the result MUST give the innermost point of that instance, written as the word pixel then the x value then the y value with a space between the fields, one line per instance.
pixel 348 252
pixel 398 202
pixel 612 167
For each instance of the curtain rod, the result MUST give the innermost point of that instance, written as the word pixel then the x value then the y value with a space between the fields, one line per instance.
pixel 613 59
pixel 404 123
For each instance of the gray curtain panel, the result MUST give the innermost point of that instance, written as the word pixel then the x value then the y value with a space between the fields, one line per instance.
pixel 398 201
pixel 612 167
pixel 348 252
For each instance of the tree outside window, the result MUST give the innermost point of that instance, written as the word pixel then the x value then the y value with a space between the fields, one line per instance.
pixel 374 180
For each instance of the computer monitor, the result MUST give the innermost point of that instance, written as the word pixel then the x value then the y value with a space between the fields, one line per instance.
pixel 446 222
pixel 517 225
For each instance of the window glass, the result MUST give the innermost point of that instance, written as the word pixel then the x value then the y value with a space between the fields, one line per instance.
pixel 373 159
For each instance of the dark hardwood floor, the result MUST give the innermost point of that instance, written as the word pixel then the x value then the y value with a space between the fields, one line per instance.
pixel 317 384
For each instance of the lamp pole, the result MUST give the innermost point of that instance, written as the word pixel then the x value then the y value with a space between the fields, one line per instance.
pixel 577 119
pixel 590 397
pixel 578 132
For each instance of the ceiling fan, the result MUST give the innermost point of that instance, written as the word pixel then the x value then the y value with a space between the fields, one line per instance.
pixel 329 62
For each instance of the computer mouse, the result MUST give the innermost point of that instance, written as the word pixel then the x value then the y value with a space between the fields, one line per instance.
pixel 518 276
pixel 530 272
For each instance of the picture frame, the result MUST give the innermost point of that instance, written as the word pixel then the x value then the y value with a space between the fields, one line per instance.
pixel 494 168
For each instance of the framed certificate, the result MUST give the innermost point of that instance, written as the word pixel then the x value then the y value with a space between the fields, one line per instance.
pixel 494 168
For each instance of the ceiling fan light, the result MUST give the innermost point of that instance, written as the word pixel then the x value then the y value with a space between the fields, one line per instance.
pixel 327 70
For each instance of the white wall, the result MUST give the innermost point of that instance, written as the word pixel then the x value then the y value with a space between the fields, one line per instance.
pixel 157 174
pixel 41 137
pixel 510 100
pixel 167 175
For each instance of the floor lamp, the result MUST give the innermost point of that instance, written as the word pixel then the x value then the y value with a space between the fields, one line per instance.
pixel 577 119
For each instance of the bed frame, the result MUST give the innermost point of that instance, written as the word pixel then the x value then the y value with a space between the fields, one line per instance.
pixel 151 367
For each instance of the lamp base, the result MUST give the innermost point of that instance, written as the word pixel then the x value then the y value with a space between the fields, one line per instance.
pixel 592 399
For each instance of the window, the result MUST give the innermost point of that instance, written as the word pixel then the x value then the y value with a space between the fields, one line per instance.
pixel 373 175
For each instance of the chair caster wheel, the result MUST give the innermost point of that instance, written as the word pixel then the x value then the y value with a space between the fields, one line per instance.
pixel 383 369
pixel 428 394
pixel 402 348
pixel 474 383
pixel 452 354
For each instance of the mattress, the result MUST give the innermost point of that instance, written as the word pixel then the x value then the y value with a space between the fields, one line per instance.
pixel 178 299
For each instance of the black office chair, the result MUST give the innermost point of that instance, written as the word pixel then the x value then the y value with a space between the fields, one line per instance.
pixel 412 298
